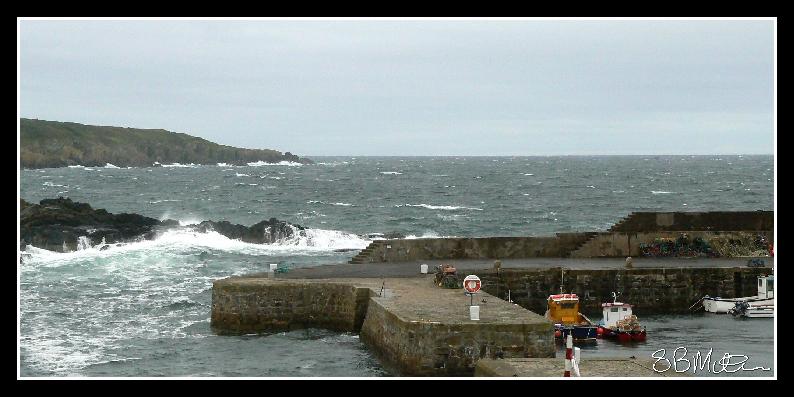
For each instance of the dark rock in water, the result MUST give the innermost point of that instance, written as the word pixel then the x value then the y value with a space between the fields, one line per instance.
pixel 58 224
pixel 346 249
pixel 265 232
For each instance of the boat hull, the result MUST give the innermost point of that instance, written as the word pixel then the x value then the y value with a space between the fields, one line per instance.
pixel 580 333
pixel 755 312
pixel 623 336
pixel 723 305
pixel 760 313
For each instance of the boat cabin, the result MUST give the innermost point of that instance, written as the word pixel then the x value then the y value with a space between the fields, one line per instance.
pixel 614 312
pixel 766 287
pixel 564 309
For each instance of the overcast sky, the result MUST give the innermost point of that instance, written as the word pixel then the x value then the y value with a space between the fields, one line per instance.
pixel 414 87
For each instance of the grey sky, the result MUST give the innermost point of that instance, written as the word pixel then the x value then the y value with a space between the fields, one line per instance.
pixel 413 87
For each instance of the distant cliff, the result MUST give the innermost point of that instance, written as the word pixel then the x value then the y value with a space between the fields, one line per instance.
pixel 45 144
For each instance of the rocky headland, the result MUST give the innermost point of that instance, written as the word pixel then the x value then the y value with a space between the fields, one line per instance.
pixel 49 144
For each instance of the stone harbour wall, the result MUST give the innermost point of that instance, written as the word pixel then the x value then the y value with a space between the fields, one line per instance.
pixel 622 239
pixel 619 244
pixel 690 221
pixel 471 248
pixel 650 290
pixel 574 245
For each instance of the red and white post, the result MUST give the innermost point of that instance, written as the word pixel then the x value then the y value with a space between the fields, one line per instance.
pixel 568 356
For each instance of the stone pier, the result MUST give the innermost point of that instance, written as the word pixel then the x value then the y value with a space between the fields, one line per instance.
pixel 414 327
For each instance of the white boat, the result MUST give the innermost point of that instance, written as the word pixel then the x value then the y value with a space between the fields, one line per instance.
pixel 765 297
pixel 619 322
pixel 744 309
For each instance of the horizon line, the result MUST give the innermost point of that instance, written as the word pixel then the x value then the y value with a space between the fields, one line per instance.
pixel 535 155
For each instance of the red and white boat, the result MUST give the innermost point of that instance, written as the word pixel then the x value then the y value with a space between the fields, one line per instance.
pixel 620 323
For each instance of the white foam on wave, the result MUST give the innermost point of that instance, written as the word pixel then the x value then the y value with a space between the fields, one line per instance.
pixel 51 355
pixel 660 192
pixel 108 165
pixel 76 166
pixel 333 164
pixel 240 175
pixel 302 242
pixel 50 184
pixel 529 174
pixel 178 165
pixel 162 201
pixel 439 207
pixel 337 204
pixel 391 173
pixel 84 243
pixel 188 221
pixel 283 163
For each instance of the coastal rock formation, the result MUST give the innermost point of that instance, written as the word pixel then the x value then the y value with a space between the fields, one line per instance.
pixel 58 224
pixel 63 225
pixel 265 232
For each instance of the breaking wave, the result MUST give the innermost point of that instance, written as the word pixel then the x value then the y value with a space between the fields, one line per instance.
pixel 337 204
pixel 302 242
pixel 178 165
pixel 439 207
pixel 286 163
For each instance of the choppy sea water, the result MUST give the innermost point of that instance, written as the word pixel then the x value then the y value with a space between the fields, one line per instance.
pixel 142 309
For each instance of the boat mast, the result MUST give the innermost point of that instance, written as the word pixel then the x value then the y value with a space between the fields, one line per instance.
pixel 562 277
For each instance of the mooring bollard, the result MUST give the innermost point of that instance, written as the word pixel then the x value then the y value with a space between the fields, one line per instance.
pixel 474 313
pixel 577 354
pixel 423 268
pixel 568 356
pixel 575 366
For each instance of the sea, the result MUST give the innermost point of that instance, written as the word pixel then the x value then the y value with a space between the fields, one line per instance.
pixel 142 309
